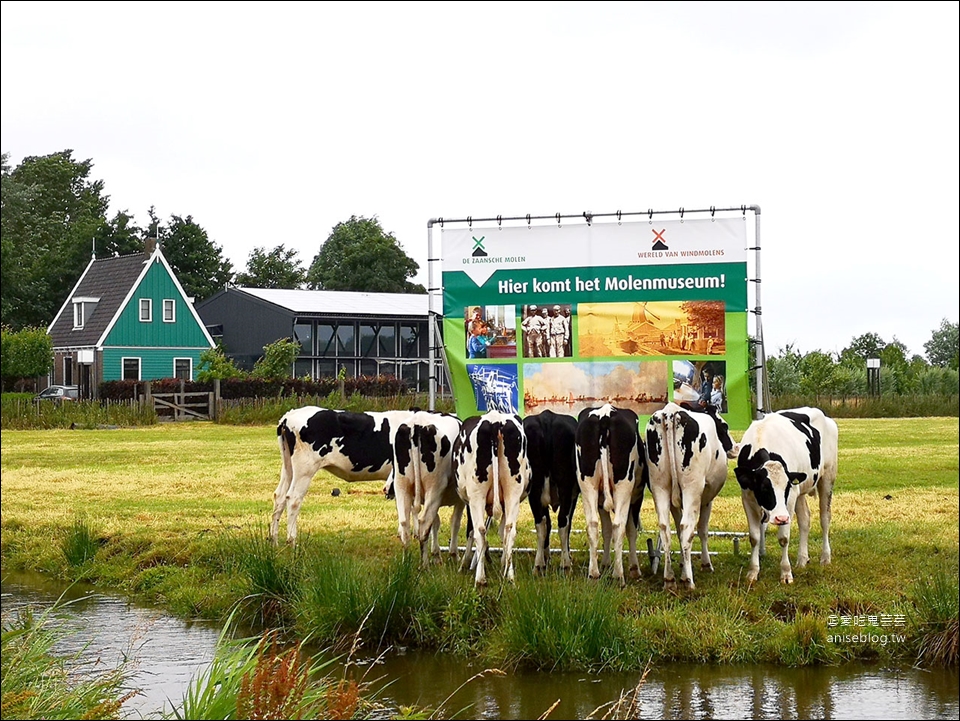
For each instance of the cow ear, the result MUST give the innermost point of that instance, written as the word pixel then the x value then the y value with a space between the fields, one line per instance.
pixel 796 478
pixel 744 478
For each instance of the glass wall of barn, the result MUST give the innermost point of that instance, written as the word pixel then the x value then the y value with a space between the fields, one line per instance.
pixel 367 347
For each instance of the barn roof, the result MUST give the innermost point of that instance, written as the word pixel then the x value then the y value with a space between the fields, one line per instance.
pixel 339 302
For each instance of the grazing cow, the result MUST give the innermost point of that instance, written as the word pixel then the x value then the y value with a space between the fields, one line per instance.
pixel 687 459
pixel 490 462
pixel 785 457
pixel 551 452
pixel 612 473
pixel 352 446
pixel 423 478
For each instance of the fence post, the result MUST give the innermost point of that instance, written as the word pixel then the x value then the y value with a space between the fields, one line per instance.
pixel 147 395
pixel 215 400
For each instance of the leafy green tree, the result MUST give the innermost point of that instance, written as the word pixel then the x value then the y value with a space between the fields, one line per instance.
pixel 52 213
pixel 783 372
pixel 944 345
pixel 864 346
pixel 277 360
pixel 817 373
pixel 25 355
pixel 197 261
pixel 215 364
pixel 280 268
pixel 359 255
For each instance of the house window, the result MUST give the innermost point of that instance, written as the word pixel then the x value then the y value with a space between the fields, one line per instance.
pixel 131 369
pixel 78 315
pixel 336 340
pixel 68 370
pixel 183 368
pixel 169 310
pixel 146 311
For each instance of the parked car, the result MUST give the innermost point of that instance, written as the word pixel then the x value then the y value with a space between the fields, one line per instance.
pixel 58 394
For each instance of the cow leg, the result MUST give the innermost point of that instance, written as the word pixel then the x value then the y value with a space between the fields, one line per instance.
pixel 592 515
pixel 825 492
pixel 783 536
pixel 455 519
pixel 661 501
pixel 541 520
pixel 298 489
pixel 404 500
pixel 564 520
pixel 756 528
pixel 606 533
pixel 633 527
pixel 279 503
pixel 802 511
pixel 429 527
pixel 468 544
pixel 508 533
pixel 480 540
pixel 703 530
pixel 689 523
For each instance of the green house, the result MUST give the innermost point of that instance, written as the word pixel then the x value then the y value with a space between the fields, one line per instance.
pixel 127 318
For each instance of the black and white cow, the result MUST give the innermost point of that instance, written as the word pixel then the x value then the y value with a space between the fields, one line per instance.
pixel 551 452
pixel 352 446
pixel 423 479
pixel 687 459
pixel 612 472
pixel 490 462
pixel 785 457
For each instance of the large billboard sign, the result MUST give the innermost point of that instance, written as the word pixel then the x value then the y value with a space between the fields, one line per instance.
pixel 567 316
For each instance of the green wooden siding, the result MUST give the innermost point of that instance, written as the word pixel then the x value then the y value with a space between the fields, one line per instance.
pixel 129 331
pixel 154 362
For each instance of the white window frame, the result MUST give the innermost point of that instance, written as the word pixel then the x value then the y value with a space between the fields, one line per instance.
pixel 123 363
pixel 78 315
pixel 146 304
pixel 171 304
pixel 189 363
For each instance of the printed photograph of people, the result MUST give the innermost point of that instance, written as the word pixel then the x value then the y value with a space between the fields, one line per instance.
pixel 490 331
pixel 651 328
pixel 547 331
pixel 698 384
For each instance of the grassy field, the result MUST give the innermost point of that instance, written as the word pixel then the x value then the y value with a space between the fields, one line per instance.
pixel 177 514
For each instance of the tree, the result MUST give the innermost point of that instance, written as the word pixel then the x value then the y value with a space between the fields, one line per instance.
pixel 359 255
pixel 944 345
pixel 280 268
pixel 52 213
pixel 865 346
pixel 817 373
pixel 277 360
pixel 25 354
pixel 215 364
pixel 197 261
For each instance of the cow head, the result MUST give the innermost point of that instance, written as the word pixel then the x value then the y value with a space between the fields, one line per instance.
pixel 771 482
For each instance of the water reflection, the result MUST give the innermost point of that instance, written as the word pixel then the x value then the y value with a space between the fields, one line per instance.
pixel 168 653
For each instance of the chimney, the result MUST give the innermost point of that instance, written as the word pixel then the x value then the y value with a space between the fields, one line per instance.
pixel 149 245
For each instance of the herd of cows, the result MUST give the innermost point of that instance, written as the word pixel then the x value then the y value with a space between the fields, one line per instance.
pixel 489 464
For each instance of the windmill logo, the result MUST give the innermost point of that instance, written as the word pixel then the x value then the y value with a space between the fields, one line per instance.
pixel 659 243
pixel 478 251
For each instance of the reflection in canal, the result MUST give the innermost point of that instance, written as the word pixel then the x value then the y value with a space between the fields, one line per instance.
pixel 169 652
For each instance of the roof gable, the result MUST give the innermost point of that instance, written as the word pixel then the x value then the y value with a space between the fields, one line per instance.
pixel 110 280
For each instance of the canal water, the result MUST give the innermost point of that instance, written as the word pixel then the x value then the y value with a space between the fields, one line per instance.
pixel 165 653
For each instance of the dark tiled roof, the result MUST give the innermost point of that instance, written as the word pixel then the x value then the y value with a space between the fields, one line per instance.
pixel 110 280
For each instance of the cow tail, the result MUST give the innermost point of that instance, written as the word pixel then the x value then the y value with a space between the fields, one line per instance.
pixel 670 431
pixel 287 440
pixel 415 458
pixel 495 456
pixel 605 467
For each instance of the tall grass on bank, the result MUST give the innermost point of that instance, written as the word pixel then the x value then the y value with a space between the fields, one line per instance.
pixel 936 601
pixel 18 411
pixel 37 684
pixel 79 543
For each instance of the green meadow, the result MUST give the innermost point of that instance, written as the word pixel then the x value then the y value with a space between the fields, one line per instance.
pixel 177 515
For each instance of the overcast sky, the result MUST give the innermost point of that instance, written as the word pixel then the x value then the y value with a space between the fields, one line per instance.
pixel 269 123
